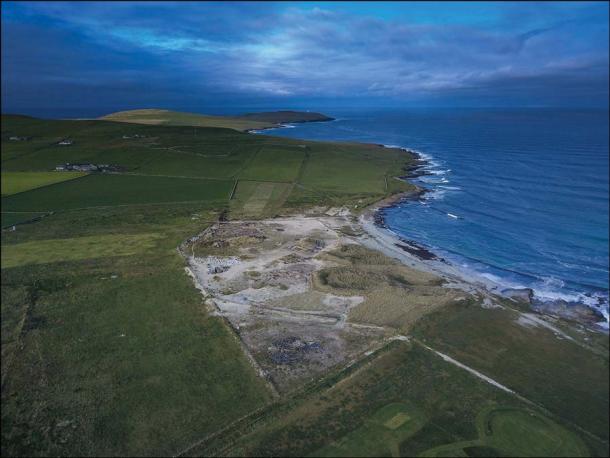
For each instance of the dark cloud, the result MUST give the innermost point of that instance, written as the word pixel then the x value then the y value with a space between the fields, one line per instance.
pixel 184 54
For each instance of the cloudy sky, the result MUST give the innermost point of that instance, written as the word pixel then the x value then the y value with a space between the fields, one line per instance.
pixel 192 56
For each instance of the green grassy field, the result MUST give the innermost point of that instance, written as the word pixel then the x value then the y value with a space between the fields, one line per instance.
pixel 75 248
pixel 106 346
pixel 286 169
pixel 108 349
pixel 515 432
pixel 14 182
pixel 381 434
pixel 110 190
pixel 401 401
pixel 526 359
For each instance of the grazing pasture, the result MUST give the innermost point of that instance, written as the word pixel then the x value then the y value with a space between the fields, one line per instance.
pixel 96 246
pixel 275 164
pixel 14 182
pixel 106 348
pixel 176 163
pixel 110 190
pixel 494 342
pixel 515 432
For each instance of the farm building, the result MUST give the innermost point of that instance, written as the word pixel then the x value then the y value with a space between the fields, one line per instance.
pixel 66 142
pixel 87 167
pixel 134 136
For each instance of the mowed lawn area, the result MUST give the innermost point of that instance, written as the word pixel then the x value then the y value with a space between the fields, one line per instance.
pixel 14 182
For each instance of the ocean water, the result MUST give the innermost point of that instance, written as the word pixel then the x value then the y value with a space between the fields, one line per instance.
pixel 519 197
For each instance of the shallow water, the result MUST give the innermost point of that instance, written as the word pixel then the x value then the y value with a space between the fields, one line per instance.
pixel 517 196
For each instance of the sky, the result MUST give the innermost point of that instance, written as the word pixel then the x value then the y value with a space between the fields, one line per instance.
pixel 98 57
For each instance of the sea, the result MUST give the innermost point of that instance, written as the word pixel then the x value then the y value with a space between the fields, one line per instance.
pixel 518 197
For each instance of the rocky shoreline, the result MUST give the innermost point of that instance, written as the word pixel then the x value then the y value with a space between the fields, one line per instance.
pixel 578 312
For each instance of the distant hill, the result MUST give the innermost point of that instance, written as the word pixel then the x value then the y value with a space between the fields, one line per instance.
pixel 249 121
pixel 286 116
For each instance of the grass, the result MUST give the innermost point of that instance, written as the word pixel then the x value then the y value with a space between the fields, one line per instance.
pixel 275 164
pixel 76 248
pixel 114 355
pixel 395 308
pixel 324 173
pixel 381 434
pixel 395 296
pixel 338 168
pixel 14 182
pixel 515 432
pixel 107 348
pixel 352 412
pixel 566 378
pixel 109 190
pixel 190 165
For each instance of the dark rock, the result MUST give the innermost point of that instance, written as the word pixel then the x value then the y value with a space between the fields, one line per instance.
pixel 290 350
pixel 417 250
pixel 570 310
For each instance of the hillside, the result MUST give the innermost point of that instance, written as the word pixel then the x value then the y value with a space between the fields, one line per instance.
pixel 279 117
pixel 250 121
